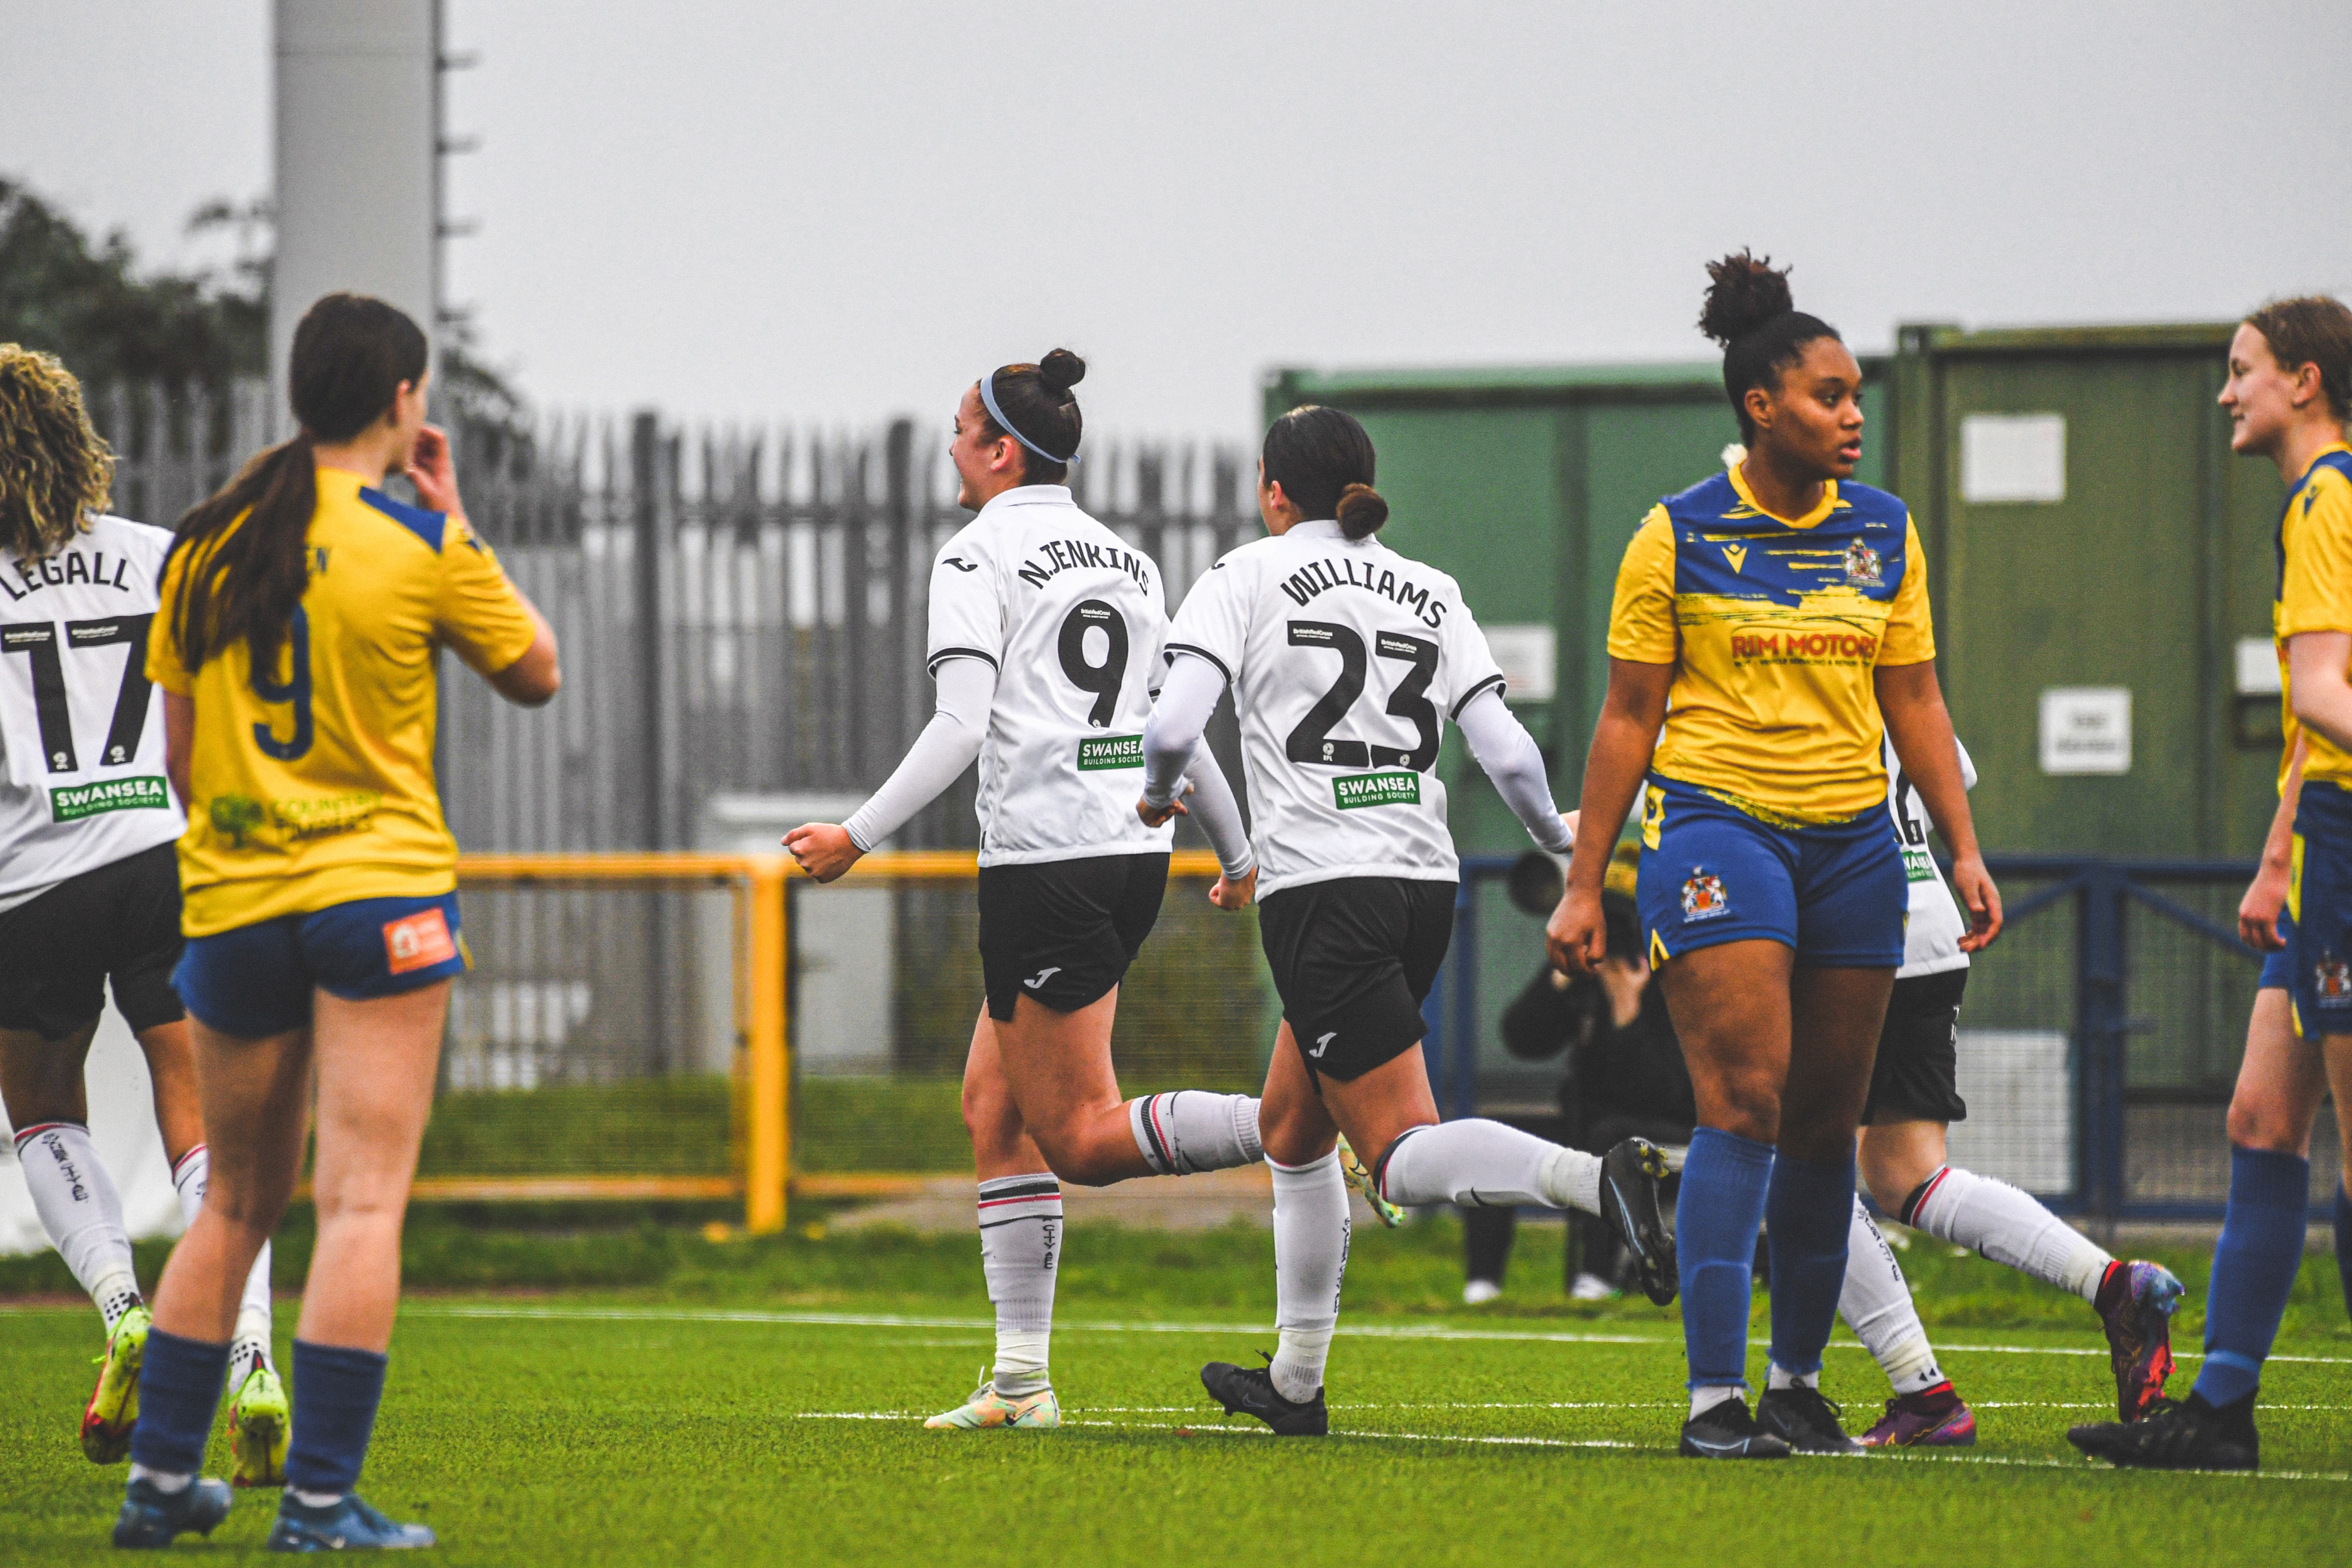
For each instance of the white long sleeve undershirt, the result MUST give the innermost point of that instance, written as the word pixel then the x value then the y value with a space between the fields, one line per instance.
pixel 951 741
pixel 1501 745
pixel 1515 763
pixel 949 745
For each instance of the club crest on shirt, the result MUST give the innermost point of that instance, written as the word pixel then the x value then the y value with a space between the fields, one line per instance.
pixel 1862 566
pixel 1703 896
pixel 2333 977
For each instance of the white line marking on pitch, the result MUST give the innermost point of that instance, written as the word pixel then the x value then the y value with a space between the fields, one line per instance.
pixel 1211 1425
pixel 1361 1331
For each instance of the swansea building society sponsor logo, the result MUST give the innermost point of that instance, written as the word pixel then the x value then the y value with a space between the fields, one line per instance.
pixel 1099 752
pixel 1917 865
pixel 1351 791
pixel 73 802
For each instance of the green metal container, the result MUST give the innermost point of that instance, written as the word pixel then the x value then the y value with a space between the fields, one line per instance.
pixel 2088 531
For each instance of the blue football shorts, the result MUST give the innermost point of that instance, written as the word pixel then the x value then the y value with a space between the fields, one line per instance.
pixel 258 979
pixel 2319 896
pixel 1711 873
pixel 2278 968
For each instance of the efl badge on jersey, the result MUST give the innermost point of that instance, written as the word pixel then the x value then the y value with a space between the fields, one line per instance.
pixel 1862 566
pixel 1703 897
pixel 2333 977
pixel 419 941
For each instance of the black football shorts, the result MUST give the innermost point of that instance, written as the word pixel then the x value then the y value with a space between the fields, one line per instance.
pixel 118 922
pixel 1352 959
pixel 1918 1075
pixel 1062 933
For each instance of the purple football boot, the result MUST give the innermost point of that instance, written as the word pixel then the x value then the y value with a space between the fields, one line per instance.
pixel 2135 1303
pixel 1934 1417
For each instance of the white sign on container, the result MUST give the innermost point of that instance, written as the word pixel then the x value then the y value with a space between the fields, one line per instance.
pixel 2258 667
pixel 2086 729
pixel 2013 457
pixel 1528 655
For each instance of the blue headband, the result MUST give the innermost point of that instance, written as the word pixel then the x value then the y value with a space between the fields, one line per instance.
pixel 988 401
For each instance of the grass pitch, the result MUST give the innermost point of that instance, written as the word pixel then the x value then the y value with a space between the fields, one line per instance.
pixel 762 1403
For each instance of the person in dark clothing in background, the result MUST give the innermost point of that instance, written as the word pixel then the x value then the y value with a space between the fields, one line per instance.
pixel 1625 1074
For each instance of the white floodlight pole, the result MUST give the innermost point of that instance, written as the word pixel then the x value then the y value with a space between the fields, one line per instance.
pixel 357 148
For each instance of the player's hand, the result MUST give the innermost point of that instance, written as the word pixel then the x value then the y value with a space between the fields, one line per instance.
pixel 1154 815
pixel 1231 895
pixel 1980 898
pixel 2258 912
pixel 1577 936
pixel 432 473
pixel 822 850
pixel 1571 819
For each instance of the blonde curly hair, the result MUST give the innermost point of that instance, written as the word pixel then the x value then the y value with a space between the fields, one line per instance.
pixel 55 471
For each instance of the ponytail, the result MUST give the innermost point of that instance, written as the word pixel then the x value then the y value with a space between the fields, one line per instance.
pixel 248 560
pixel 243 584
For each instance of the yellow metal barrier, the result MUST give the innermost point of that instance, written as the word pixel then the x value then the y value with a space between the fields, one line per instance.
pixel 762 884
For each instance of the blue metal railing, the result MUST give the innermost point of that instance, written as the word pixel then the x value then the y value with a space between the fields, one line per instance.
pixel 2101 893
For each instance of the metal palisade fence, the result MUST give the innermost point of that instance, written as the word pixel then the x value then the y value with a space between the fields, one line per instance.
pixel 742 617
pixel 739 610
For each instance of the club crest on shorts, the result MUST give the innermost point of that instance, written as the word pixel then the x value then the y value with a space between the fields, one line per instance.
pixel 1703 896
pixel 2333 977
pixel 1862 566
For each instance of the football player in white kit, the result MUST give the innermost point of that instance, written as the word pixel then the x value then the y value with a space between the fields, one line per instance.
pixel 1913 1098
pixel 89 891
pixel 1347 660
pixel 1046 644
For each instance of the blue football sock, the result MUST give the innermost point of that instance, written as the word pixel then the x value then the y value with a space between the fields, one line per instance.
pixel 2344 1243
pixel 2254 1266
pixel 336 1389
pixel 1716 1218
pixel 179 1390
pixel 1809 1214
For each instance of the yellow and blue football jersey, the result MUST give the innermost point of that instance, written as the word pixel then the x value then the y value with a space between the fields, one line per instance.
pixel 1775 627
pixel 312 783
pixel 2314 594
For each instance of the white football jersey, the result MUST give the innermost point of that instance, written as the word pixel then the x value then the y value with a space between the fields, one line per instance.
pixel 1347 659
pixel 81 737
pixel 1931 936
pixel 1073 619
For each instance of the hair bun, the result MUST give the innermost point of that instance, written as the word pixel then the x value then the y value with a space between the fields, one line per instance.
pixel 1060 370
pixel 1362 511
pixel 1744 291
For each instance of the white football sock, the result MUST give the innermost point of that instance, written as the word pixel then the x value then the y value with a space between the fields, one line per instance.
pixel 2007 1226
pixel 1020 1244
pixel 250 1344
pixel 1876 1305
pixel 1192 1131
pixel 81 1213
pixel 1478 1162
pixel 1708 1395
pixel 171 1483
pixel 1780 1377
pixel 316 1499
pixel 1310 1257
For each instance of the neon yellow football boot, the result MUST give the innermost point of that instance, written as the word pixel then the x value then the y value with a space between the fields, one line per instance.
pixel 260 1425
pixel 986 1408
pixel 1360 1177
pixel 114 1405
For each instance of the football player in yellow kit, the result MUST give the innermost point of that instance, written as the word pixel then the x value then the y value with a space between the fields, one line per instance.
pixel 296 644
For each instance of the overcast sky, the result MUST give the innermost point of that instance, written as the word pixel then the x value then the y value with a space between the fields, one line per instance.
pixel 757 211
